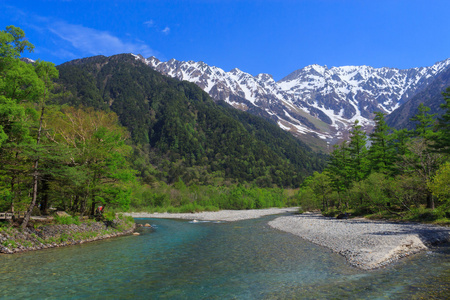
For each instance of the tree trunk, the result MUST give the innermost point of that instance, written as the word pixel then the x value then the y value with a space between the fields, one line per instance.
pixel 83 206
pixel 93 207
pixel 430 201
pixel 44 200
pixel 75 203
pixel 12 194
pixel 35 174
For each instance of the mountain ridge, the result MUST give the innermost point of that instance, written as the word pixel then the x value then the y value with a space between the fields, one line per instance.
pixel 187 135
pixel 315 100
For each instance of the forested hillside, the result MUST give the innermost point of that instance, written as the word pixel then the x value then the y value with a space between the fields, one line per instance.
pixel 401 174
pixel 189 136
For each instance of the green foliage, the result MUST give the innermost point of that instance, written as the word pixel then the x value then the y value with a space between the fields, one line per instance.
pixel 10 243
pixel 182 132
pixel 13 42
pixel 381 154
pixel 372 192
pixel 393 178
pixel 358 164
pixel 181 198
pixel 22 85
pixel 307 199
pixel 442 138
pixel 440 184
pixel 109 216
pixel 67 220
pixel 95 168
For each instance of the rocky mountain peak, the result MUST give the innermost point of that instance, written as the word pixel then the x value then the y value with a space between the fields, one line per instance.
pixel 315 100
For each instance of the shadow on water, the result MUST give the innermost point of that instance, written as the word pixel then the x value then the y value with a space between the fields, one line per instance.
pixel 235 260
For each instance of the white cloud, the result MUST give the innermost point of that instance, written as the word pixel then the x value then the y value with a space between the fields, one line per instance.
pixel 63 53
pixel 166 30
pixel 149 23
pixel 96 42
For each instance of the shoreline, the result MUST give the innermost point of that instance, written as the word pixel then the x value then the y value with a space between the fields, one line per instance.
pixel 13 240
pixel 365 244
pixel 221 215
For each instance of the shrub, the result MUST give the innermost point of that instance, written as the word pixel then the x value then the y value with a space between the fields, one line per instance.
pixel 109 216
pixel 67 220
pixel 10 243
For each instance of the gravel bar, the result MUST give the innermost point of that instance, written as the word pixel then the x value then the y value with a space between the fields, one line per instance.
pixel 221 215
pixel 366 244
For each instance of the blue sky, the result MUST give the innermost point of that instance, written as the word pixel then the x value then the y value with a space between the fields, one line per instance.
pixel 275 37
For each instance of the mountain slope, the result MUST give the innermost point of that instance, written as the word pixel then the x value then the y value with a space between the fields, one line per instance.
pixel 431 96
pixel 191 137
pixel 315 100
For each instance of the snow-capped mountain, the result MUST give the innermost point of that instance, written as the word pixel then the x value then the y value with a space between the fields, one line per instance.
pixel 313 100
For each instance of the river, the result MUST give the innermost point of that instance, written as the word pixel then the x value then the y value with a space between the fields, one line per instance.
pixel 247 259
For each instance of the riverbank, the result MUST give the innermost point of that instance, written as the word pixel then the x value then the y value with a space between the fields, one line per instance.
pixel 43 236
pixel 221 215
pixel 366 244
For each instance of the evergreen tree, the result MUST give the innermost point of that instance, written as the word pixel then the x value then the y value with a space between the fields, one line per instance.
pixel 339 169
pixel 424 123
pixel 357 150
pixel 46 73
pixel 381 153
pixel 442 139
pixel 420 157
pixel 20 86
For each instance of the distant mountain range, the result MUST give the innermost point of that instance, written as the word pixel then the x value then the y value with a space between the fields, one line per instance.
pixel 179 132
pixel 314 101
pixel 431 96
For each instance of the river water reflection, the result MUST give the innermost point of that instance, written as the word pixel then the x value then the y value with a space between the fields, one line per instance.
pixel 236 260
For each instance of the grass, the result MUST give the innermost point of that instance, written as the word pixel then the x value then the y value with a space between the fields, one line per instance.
pixel 16 240
pixel 10 243
pixel 67 220
pixel 420 214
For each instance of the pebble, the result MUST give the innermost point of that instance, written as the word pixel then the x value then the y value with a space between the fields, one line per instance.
pixel 365 244
pixel 222 215
pixel 31 235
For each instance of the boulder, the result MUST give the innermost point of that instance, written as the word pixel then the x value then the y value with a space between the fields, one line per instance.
pixel 62 214
pixel 343 216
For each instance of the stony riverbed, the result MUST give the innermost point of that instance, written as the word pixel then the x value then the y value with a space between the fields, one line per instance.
pixel 364 243
pixel 43 236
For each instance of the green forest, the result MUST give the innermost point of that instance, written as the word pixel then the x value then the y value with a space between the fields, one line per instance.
pixel 397 174
pixel 111 131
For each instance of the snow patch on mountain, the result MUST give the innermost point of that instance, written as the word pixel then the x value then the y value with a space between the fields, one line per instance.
pixel 313 100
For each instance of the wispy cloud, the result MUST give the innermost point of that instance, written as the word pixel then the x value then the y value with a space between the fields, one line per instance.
pixel 94 42
pixel 72 41
pixel 64 53
pixel 149 23
pixel 166 30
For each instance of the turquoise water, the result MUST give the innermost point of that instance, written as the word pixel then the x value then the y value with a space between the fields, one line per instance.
pixel 236 260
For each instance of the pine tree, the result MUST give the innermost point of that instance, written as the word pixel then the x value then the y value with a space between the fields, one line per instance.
pixel 421 158
pixel 442 139
pixel 424 123
pixel 381 153
pixel 357 150
pixel 339 169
